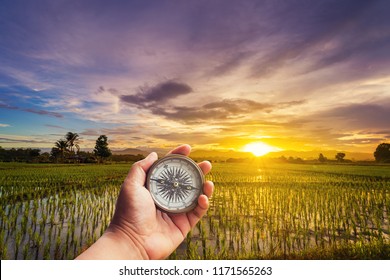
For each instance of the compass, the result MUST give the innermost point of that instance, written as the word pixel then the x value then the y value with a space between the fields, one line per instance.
pixel 175 183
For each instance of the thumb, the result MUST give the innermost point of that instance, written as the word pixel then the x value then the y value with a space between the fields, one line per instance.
pixel 137 173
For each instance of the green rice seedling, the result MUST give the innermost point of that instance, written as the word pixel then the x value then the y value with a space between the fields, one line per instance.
pixel 258 210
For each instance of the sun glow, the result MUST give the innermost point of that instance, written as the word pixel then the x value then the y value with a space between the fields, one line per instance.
pixel 259 148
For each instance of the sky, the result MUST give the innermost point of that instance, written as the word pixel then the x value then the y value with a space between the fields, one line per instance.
pixel 296 75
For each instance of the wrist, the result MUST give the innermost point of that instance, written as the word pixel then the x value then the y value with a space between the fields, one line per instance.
pixel 125 243
pixel 115 244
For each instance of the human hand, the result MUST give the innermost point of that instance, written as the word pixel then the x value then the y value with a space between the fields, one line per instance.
pixel 138 229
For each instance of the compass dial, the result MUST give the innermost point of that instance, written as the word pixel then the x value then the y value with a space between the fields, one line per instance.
pixel 175 182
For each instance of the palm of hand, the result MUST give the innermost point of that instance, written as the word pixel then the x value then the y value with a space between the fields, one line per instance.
pixel 156 233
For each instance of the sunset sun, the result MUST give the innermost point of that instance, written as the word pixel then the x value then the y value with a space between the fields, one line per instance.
pixel 259 148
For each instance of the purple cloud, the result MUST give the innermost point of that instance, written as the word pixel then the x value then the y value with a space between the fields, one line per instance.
pixel 158 94
pixel 31 110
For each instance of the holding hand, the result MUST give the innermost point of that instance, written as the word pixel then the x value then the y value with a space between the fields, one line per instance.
pixel 138 229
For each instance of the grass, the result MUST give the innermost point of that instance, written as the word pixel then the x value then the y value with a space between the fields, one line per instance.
pixel 259 210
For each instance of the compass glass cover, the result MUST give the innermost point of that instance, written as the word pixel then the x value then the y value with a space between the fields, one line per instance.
pixel 175 183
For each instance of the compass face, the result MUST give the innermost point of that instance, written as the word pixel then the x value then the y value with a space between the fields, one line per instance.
pixel 175 182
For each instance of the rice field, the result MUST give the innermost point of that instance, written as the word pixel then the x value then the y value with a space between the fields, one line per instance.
pixel 259 210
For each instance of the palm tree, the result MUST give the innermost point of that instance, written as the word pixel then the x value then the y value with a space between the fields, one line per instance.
pixel 62 146
pixel 72 141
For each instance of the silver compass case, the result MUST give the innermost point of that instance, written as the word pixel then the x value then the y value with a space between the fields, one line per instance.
pixel 175 183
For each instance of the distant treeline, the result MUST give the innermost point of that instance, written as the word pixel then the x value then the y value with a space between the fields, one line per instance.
pixel 35 156
pixel 63 152
pixel 22 155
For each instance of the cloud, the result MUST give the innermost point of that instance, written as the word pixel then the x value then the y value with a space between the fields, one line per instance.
pixel 236 105
pixel 159 94
pixel 159 100
pixel 223 110
pixel 291 103
pixel 11 140
pixel 4 125
pixel 192 138
pixel 330 33
pixel 382 132
pixel 219 110
pixel 358 116
pixel 278 68
pixel 231 63
pixel 43 112
pixel 124 131
pixel 356 126
pixel 31 110
pixel 55 126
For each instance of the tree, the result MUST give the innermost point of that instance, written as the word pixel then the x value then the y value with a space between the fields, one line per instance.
pixel 340 157
pixel 44 158
pixel 19 155
pixel 321 158
pixel 101 148
pixel 64 148
pixel 60 148
pixel 382 152
pixel 72 140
